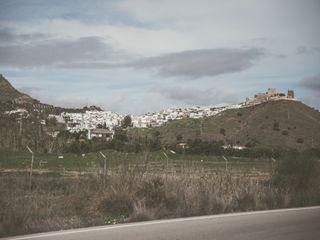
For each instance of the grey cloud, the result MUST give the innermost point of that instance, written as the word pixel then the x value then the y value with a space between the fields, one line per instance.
pixel 312 100
pixel 200 63
pixel 6 35
pixel 311 83
pixel 9 36
pixel 193 96
pixel 307 50
pixel 301 50
pixel 93 53
pixel 57 53
pixel 281 56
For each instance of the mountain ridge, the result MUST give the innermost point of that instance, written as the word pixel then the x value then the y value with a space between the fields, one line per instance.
pixel 9 93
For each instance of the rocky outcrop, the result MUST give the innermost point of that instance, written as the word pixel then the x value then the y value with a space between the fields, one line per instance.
pixel 9 93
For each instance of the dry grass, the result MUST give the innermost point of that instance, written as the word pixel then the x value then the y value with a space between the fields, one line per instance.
pixel 130 195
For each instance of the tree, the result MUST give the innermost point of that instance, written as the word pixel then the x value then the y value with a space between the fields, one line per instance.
pixel 276 126
pixel 156 134
pixel 126 122
pixel 179 137
pixel 300 140
pixel 52 121
pixel 222 131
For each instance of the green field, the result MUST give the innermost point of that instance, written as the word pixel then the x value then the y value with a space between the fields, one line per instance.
pixel 152 161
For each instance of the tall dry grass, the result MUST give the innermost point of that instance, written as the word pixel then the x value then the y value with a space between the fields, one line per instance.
pixel 131 194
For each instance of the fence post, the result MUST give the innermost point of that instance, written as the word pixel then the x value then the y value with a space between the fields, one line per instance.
pixel 31 167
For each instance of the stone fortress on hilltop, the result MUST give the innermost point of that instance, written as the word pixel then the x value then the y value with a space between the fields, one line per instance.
pixel 271 95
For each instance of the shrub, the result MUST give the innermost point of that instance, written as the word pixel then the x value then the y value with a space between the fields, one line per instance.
pixel 300 140
pixel 179 137
pixel 222 131
pixel 152 192
pixel 299 174
pixel 276 126
pixel 156 133
pixel 110 220
pixel 114 205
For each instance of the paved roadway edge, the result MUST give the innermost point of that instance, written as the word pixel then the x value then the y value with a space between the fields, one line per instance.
pixel 128 225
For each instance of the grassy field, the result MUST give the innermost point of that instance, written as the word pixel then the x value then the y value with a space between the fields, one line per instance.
pixel 72 192
pixel 153 161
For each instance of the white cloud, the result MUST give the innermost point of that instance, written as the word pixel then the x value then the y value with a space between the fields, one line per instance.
pixel 134 40
pixel 226 23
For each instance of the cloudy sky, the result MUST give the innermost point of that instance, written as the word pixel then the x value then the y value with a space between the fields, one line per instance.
pixel 137 56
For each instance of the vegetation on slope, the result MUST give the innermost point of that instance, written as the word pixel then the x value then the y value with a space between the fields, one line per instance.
pixel 278 124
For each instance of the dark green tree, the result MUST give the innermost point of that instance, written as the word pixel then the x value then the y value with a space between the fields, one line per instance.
pixel 222 131
pixel 126 122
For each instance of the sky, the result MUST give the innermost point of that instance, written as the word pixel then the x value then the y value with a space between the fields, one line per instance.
pixel 139 56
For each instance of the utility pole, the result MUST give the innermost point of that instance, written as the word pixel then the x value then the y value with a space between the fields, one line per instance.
pixel 104 168
pixel 31 167
pixel 166 158
pixel 273 164
pixel 226 162
pixel 20 130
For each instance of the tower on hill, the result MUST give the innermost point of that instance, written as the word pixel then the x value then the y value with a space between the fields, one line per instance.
pixel 290 94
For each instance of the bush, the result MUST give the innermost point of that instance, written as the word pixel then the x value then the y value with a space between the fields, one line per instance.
pixel 109 220
pixel 179 137
pixel 297 173
pixel 116 205
pixel 198 146
pixel 153 192
pixel 300 140
pixel 222 131
pixel 276 126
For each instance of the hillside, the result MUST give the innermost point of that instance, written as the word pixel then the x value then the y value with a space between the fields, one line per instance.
pixel 273 124
pixel 285 124
pixel 9 93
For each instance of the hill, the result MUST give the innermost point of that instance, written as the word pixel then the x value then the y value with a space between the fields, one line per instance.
pixel 276 124
pixel 272 124
pixel 9 93
pixel 11 99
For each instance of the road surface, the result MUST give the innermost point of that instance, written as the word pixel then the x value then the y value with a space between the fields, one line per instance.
pixel 291 224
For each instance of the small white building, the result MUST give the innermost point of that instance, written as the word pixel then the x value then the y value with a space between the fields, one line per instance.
pixel 100 133
pixel 238 147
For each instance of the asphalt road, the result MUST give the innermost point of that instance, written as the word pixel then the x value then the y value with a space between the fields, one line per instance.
pixel 291 224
